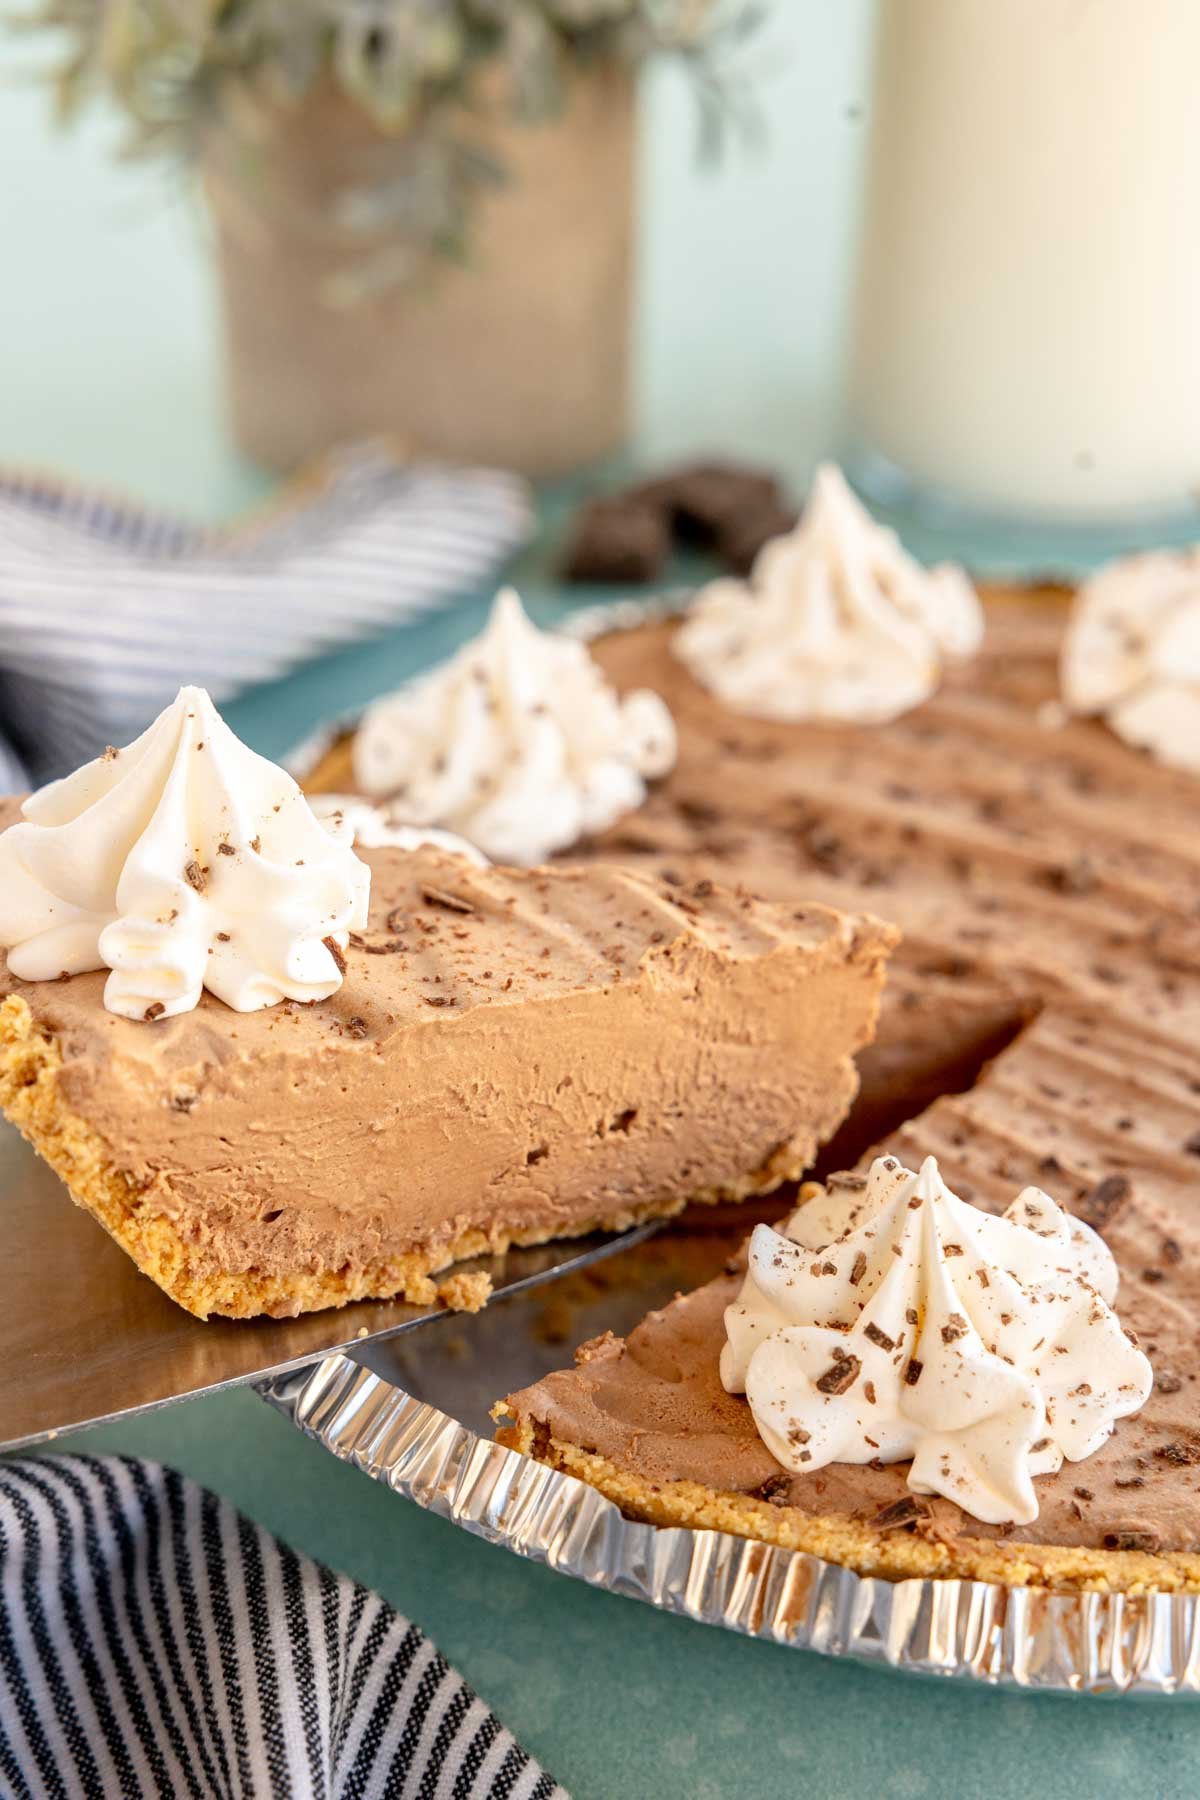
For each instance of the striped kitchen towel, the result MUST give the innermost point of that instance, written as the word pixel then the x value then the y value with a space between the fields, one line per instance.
pixel 106 608
pixel 154 1642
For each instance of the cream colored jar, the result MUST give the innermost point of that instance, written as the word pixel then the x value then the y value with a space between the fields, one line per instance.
pixel 1026 337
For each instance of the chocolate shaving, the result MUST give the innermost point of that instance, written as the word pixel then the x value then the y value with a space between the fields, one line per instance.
pixel 900 1515
pixel 357 1028
pixel 195 876
pixel 912 1373
pixel 1180 1456
pixel 155 1010
pixel 840 1376
pixel 435 896
pixel 1149 1541
pixel 1078 877
pixel 859 1269
pixel 1101 1206
pixel 876 1336
pixel 338 954
pixel 225 848
pixel 954 1328
pixel 775 1489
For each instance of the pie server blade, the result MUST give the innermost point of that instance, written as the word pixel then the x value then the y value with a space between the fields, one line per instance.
pixel 85 1338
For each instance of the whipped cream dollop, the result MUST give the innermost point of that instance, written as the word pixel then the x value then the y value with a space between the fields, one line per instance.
pixel 182 862
pixel 836 621
pixel 361 822
pixel 518 743
pixel 896 1321
pixel 1131 653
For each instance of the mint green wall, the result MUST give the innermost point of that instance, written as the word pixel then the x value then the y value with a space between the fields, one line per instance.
pixel 109 361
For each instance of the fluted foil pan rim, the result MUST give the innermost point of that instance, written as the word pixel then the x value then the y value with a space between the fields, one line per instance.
pixel 1029 1638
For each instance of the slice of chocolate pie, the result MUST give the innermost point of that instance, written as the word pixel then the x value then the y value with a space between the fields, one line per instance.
pixel 278 1097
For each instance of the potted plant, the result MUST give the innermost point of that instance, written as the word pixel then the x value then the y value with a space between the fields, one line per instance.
pixel 422 208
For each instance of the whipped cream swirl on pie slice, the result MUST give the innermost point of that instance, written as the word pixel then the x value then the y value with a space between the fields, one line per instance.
pixel 518 743
pixel 1131 653
pixel 896 1321
pixel 371 827
pixel 837 621
pixel 180 863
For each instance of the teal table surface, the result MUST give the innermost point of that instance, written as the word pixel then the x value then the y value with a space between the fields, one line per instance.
pixel 109 369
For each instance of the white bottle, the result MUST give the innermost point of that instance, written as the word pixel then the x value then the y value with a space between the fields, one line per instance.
pixel 1026 337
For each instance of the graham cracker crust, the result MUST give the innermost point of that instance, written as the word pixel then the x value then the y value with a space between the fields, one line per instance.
pixel 30 1065
pixel 894 1555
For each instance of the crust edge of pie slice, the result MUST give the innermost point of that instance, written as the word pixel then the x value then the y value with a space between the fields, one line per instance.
pixel 513 1057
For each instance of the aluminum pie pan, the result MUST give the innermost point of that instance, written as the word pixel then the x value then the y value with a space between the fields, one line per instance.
pixel 1033 1639
pixel 1028 1638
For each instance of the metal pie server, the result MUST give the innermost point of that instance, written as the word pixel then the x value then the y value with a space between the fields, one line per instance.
pixel 84 1337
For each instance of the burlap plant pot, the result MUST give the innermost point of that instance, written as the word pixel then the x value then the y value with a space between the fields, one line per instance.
pixel 519 356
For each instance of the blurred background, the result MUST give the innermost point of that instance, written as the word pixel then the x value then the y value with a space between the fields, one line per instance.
pixel 111 360
pixel 578 242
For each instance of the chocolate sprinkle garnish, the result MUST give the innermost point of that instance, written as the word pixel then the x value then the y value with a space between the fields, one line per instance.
pixel 194 875
pixel 954 1328
pixel 225 848
pixel 876 1336
pixel 1180 1456
pixel 900 1515
pixel 841 1376
pixel 1078 877
pixel 1100 1207
pixel 434 896
pixel 912 1373
pixel 338 954
pixel 1149 1541
pixel 859 1269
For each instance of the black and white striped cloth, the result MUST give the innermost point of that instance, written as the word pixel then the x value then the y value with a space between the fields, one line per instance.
pixel 155 1642
pixel 106 609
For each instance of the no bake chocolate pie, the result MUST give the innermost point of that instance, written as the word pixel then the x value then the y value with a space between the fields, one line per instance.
pixel 1039 1028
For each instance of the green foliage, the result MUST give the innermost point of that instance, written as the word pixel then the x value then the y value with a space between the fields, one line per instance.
pixel 182 69
pixel 168 61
